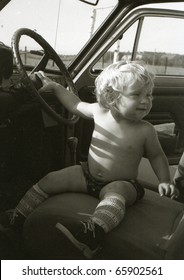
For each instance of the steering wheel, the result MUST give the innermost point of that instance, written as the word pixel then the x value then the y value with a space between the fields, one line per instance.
pixel 49 53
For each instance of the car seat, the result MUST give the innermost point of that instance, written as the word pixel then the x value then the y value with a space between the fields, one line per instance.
pixel 153 228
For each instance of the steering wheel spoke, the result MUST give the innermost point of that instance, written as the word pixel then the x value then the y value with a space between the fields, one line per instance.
pixel 41 64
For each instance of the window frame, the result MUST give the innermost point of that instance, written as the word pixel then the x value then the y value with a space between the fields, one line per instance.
pixel 136 15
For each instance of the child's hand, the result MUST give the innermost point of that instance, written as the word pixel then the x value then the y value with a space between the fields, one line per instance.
pixel 47 84
pixel 168 189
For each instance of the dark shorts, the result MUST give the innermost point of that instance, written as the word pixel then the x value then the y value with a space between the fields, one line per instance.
pixel 94 186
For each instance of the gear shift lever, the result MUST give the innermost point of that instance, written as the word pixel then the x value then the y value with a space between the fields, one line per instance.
pixel 72 144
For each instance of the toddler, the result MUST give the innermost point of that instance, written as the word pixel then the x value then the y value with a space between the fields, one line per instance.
pixel 120 139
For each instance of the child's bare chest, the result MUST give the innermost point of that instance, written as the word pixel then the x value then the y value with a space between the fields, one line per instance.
pixel 120 136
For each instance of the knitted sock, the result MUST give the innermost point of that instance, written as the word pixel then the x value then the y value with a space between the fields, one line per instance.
pixel 109 212
pixel 33 197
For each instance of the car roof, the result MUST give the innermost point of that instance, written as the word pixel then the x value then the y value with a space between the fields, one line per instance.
pixel 3 3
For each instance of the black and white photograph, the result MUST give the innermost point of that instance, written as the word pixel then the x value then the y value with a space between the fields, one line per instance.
pixel 92 136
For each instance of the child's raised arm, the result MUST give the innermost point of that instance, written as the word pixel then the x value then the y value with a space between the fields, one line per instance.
pixel 68 99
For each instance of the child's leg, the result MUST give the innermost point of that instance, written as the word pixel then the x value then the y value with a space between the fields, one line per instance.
pixel 87 235
pixel 65 180
pixel 70 179
pixel 32 198
pixel 111 209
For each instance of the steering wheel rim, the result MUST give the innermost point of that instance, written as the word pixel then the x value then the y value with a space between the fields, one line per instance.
pixel 51 53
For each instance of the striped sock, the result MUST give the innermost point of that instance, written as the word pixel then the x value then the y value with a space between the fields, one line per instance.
pixel 109 212
pixel 32 198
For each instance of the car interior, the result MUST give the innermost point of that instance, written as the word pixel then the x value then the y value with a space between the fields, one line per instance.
pixel 38 135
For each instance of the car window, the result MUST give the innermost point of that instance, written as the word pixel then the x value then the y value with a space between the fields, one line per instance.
pixel 159 42
pixel 163 50
pixel 121 50
pixel 65 24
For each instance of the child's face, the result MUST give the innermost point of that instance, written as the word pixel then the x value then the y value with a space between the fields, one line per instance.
pixel 136 103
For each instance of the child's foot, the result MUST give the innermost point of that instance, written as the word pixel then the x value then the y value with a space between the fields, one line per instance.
pixel 85 236
pixel 6 229
pixel 9 220
pixel 6 218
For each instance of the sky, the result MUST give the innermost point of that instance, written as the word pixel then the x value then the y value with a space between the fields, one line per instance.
pixel 72 27
pixel 66 29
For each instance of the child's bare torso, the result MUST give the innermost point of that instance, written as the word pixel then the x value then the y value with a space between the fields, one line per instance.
pixel 116 147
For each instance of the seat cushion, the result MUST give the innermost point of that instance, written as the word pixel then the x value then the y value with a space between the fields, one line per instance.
pixel 153 228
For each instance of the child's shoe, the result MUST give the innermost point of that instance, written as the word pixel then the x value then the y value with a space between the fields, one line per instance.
pixel 10 220
pixel 85 236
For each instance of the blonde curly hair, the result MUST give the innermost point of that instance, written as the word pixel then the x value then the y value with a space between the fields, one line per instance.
pixel 116 78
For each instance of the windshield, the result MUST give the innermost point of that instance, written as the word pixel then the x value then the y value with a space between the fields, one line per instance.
pixel 65 24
